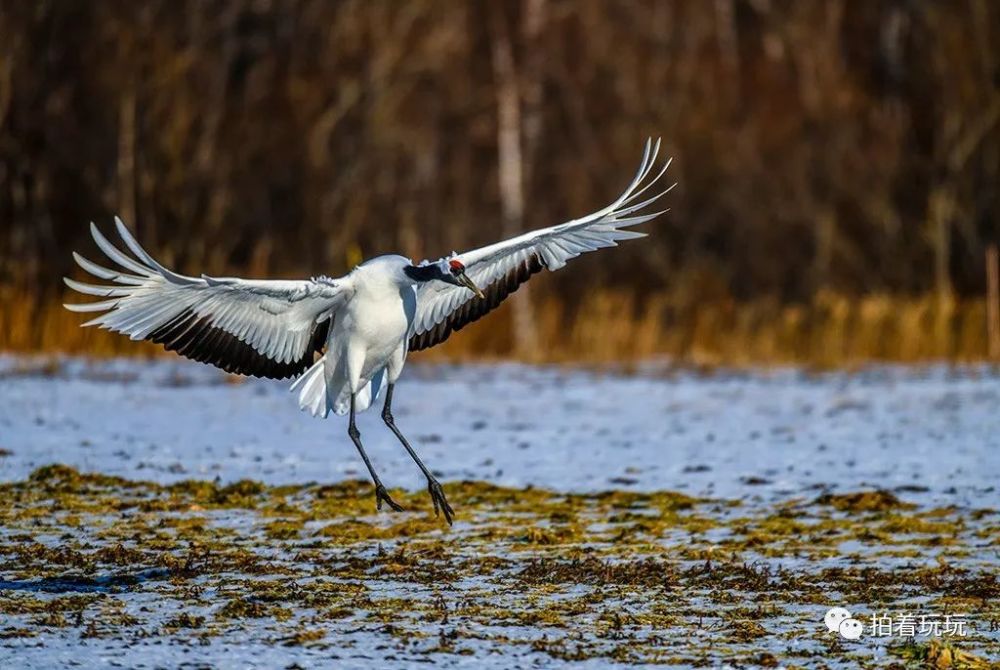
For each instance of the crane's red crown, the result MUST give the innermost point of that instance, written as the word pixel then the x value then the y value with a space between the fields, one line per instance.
pixel 456 265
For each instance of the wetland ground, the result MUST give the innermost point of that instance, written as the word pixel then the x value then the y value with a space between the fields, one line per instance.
pixel 155 514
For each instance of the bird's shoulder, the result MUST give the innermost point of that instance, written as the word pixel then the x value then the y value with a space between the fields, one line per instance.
pixel 384 263
pixel 386 271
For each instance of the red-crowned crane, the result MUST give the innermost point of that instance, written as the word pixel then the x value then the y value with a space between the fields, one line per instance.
pixel 362 325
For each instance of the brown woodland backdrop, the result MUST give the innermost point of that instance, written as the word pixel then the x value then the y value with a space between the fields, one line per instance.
pixel 837 161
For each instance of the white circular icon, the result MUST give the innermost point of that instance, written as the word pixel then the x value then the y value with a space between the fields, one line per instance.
pixel 835 617
pixel 851 629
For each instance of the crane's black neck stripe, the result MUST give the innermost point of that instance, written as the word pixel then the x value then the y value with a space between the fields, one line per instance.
pixel 423 272
pixel 476 308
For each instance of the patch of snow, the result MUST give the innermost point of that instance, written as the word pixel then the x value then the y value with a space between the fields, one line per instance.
pixel 930 434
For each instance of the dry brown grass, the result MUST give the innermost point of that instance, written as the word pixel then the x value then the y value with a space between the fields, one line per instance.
pixel 616 327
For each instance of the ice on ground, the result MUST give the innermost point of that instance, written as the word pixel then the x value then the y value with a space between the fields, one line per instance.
pixel 932 432
pixel 106 574
pixel 100 569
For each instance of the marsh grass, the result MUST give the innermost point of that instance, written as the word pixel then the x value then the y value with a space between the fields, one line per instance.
pixel 657 577
pixel 615 327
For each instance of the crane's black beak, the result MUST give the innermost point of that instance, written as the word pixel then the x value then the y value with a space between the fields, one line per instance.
pixel 464 280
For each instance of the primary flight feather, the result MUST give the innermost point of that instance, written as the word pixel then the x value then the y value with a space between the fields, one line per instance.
pixel 346 339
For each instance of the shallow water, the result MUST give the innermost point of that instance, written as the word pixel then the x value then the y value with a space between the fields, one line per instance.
pixel 670 519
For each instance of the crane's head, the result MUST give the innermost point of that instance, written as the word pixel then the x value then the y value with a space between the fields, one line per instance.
pixel 449 270
pixel 457 276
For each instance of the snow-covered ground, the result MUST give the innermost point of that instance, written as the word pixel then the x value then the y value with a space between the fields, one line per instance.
pixel 930 435
pixel 931 432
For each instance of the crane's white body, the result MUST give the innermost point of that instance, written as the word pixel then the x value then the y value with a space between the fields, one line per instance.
pixel 362 324
pixel 366 347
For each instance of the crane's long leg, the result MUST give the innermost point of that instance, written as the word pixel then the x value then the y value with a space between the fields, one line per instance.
pixel 433 486
pixel 381 495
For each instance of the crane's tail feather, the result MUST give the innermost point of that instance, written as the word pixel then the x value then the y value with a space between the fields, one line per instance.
pixel 319 395
pixel 313 395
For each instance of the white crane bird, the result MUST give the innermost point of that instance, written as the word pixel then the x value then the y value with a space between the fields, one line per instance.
pixel 361 325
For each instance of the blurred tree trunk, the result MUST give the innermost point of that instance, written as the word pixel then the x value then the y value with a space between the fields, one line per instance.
pixel 518 130
pixel 727 40
pixel 940 210
pixel 532 28
pixel 992 302
pixel 126 157
pixel 825 235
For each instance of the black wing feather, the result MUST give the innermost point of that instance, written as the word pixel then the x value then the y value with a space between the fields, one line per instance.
pixel 195 337
pixel 477 308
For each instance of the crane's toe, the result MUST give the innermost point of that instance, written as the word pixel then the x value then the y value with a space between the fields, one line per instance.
pixel 381 495
pixel 440 502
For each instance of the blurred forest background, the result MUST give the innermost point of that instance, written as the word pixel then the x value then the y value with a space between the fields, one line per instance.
pixel 838 161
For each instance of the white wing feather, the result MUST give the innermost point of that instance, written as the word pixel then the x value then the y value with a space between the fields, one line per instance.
pixel 276 318
pixel 488 266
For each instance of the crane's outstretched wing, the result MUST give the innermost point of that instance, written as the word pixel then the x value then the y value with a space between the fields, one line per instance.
pixel 252 327
pixel 499 269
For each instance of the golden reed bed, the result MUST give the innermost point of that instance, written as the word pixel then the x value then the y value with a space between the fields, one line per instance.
pixel 615 327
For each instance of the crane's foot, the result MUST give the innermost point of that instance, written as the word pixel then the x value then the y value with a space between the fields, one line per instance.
pixel 382 496
pixel 440 502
